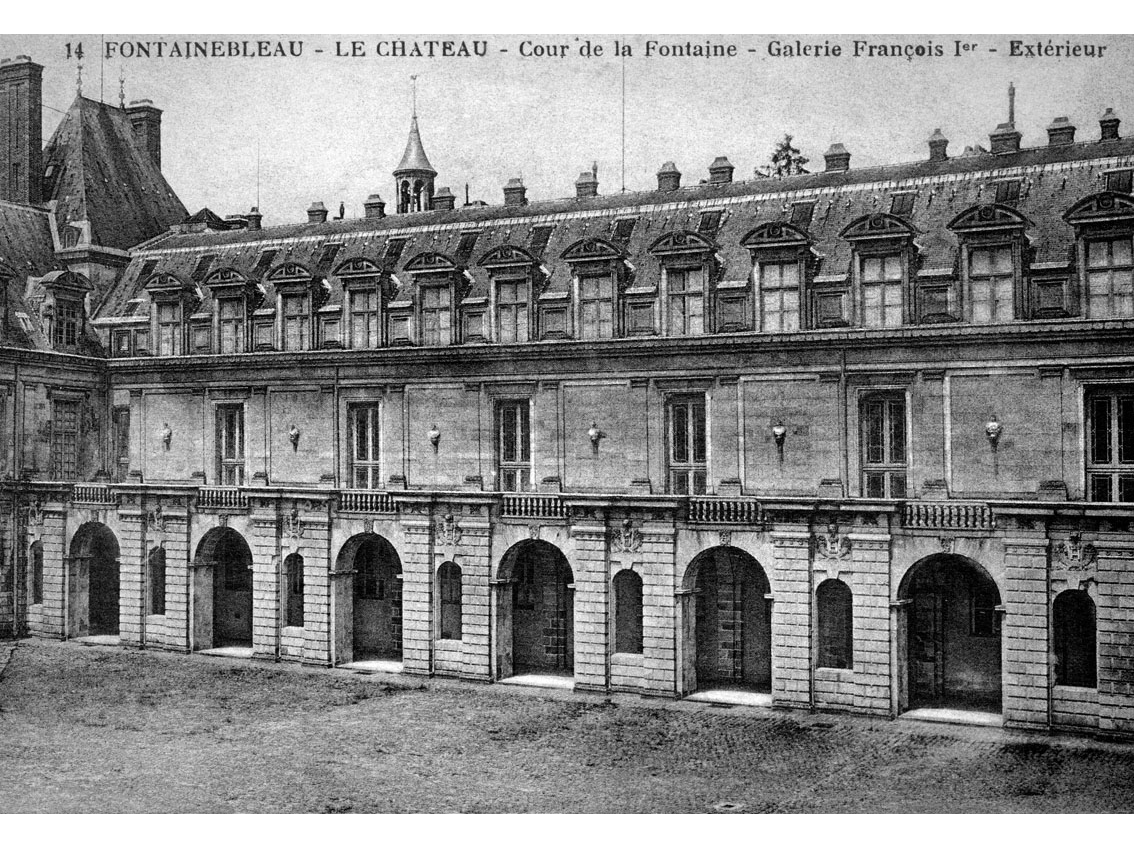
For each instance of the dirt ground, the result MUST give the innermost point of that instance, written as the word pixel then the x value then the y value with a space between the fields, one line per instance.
pixel 102 729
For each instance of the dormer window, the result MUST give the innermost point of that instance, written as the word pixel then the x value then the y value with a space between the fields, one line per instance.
pixel 436 315
pixel 780 253
pixel 687 260
pixel 169 328
pixel 67 291
pixel 541 234
pixel 623 229
pixel 801 213
pixel 993 248
pixel 68 321
pixel 465 247
pixel 512 310
pixel 513 287
pixel 991 278
pixel 596 307
pixel 1104 227
pixel 365 298
pixel 881 281
pixel 230 319
pixel 1008 191
pixel 599 277
pixel 903 204
pixel 235 299
pixel 296 322
pixel 298 298
pixel 778 282
pixel 883 255
pixel 1120 181
pixel 709 223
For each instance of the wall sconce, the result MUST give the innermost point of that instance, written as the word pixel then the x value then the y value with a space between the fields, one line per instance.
pixel 166 436
pixel 779 434
pixel 293 434
pixel 594 435
pixel 434 438
pixel 992 430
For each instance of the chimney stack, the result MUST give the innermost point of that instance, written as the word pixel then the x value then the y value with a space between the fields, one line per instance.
pixel 21 127
pixel 255 219
pixel 669 178
pixel 316 213
pixel 587 185
pixel 1108 124
pixel 145 120
pixel 375 207
pixel 720 171
pixel 837 158
pixel 937 146
pixel 515 193
pixel 444 199
pixel 1060 132
pixel 1006 138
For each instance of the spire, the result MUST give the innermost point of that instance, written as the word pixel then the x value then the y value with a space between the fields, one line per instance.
pixel 414 159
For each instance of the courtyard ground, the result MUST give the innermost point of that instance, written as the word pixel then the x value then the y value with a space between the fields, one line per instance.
pixel 104 729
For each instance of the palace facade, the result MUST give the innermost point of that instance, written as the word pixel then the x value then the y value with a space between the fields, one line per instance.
pixel 857 440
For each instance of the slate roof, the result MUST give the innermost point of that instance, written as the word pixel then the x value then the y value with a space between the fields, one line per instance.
pixel 101 176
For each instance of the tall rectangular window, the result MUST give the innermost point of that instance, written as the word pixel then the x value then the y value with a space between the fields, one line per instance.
pixel 169 328
pixel 513 445
pixel 296 323
pixel 364 463
pixel 364 318
pixel 512 310
pixel 884 447
pixel 688 444
pixel 436 316
pixel 1110 278
pixel 685 291
pixel 293 565
pixel 157 580
pixel 121 438
pixel 64 439
pixel 230 444
pixel 992 284
pixel 882 291
pixel 596 307
pixel 231 321
pixel 1110 445
pixel 779 296
pixel 68 319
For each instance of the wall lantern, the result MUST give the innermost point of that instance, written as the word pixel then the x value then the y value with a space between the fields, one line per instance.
pixel 779 434
pixel 594 435
pixel 293 434
pixel 993 429
pixel 434 437
pixel 166 436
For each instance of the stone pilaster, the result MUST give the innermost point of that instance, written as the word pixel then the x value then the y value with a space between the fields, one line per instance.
pixel 1115 631
pixel 51 618
pixel 1024 630
pixel 659 611
pixel 592 577
pixel 171 631
pixel 791 626
pixel 132 579
pixel 870 585
pixel 472 552
pixel 417 589
pixel 316 587
pixel 266 564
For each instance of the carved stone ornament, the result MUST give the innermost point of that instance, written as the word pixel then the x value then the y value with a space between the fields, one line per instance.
pixel 832 547
pixel 293 524
pixel 534 532
pixel 1074 554
pixel 155 521
pixel 725 538
pixel 948 544
pixel 448 531
pixel 35 514
pixel 368 525
pixel 626 539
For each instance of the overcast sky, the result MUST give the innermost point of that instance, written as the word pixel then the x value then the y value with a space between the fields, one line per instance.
pixel 332 129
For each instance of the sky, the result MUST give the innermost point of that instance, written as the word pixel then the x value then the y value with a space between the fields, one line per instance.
pixel 332 128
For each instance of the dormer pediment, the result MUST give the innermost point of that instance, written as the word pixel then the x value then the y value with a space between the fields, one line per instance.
pixel 775 234
pixel 878 226
pixel 1101 207
pixel 989 217
pixel 681 242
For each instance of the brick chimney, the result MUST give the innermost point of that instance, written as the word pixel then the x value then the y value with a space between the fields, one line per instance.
pixel 515 193
pixel 21 128
pixel 587 185
pixel 255 219
pixel 444 199
pixel 145 120
pixel 1108 124
pixel 669 178
pixel 1060 132
pixel 837 158
pixel 938 146
pixel 720 171
pixel 375 207
pixel 1005 138
pixel 316 213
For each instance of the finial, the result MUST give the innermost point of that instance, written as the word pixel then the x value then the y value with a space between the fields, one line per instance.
pixel 594 169
pixel 79 82
pixel 413 80
pixel 1012 104
pixel 122 87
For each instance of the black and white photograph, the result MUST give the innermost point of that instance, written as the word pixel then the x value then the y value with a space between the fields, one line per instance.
pixel 566 424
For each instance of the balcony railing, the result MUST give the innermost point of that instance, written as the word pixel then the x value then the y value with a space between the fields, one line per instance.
pixel 714 510
pixel 961 516
pixel 222 498
pixel 534 505
pixel 91 494
pixel 366 502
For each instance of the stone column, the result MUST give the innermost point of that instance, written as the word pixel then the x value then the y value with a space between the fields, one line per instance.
pixel 791 639
pixel 1024 630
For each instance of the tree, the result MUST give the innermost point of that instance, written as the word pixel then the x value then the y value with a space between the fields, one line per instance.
pixel 786 160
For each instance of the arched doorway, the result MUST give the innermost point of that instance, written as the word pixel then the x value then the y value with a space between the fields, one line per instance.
pixel 224 561
pixel 728 644
pixel 950 636
pixel 376 622
pixel 535 611
pixel 95 580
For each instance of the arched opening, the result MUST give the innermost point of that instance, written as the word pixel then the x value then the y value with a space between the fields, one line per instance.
pixel 36 573
pixel 535 611
pixel 95 579
pixel 731 628
pixel 952 635
pixel 224 560
pixel 449 592
pixel 834 605
pixel 376 622
pixel 1073 625
pixel 628 612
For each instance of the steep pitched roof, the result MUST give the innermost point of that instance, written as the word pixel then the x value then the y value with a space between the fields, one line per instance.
pixel 97 174
pixel 414 159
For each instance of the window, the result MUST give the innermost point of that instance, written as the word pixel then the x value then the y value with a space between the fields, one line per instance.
pixel 64 439
pixel 512 310
pixel 628 612
pixel 1110 278
pixel 1110 446
pixel 122 343
pixel 709 223
pixel 364 463
pixel 1073 616
pixel 465 247
pixel 231 323
pixel 779 296
pixel 36 573
pixel 801 213
pixel 296 324
pixel 686 295
pixel 882 291
pixel 540 236
pixel 156 564
pixel 449 579
pixel 992 284
pixel 884 447
pixel 68 318
pixel 293 567
pixel 902 204
pixel 122 442
pixel 596 307
pixel 835 605
pixel 264 261
pixel 687 445
pixel 169 328
pixel 363 318
pixel 394 250
pixel 435 316
pixel 1008 191
pixel 513 428
pixel 1119 181
pixel 624 228
pixel 230 444
pixel 985 622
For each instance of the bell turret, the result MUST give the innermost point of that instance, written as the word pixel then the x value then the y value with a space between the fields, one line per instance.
pixel 414 176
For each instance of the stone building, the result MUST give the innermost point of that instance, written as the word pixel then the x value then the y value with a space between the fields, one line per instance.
pixel 855 440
